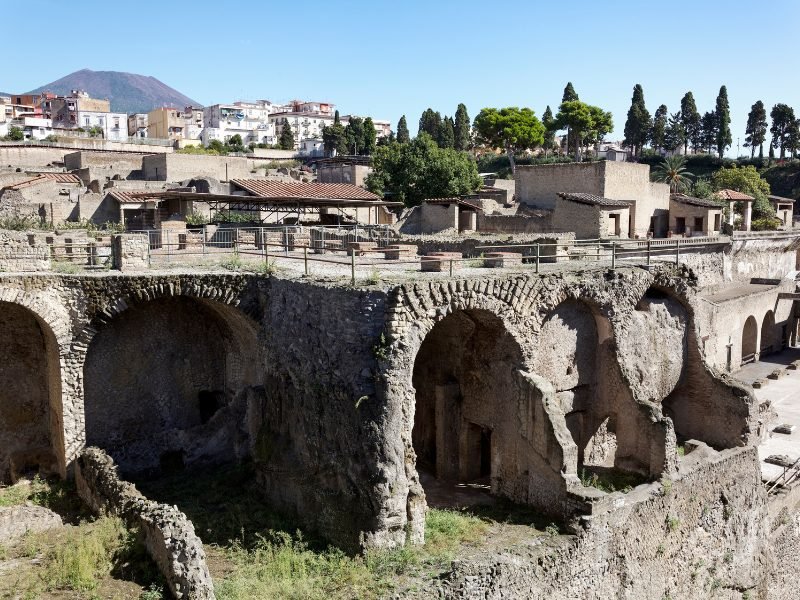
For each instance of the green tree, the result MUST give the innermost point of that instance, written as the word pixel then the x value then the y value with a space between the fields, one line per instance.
pixel 690 119
pixel 354 135
pixel 549 130
pixel 447 134
pixel 783 120
pixel 756 129
pixel 659 128
pixel 462 129
pixel 723 115
pixel 218 147
pixel 511 129
pixel 674 136
pixel 638 123
pixel 334 139
pixel 570 95
pixel 16 134
pixel 708 129
pixel 748 181
pixel 286 139
pixel 430 122
pixel 369 137
pixel 403 136
pixel 672 171
pixel 420 169
pixel 584 120
pixel 235 143
pixel 336 119
pixel 793 143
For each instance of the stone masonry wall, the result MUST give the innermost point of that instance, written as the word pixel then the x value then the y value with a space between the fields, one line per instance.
pixel 20 253
pixel 167 533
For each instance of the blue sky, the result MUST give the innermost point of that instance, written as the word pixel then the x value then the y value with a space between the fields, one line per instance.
pixel 387 59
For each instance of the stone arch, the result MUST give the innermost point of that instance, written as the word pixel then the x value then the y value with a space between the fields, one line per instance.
pixel 750 340
pixel 503 307
pixel 769 340
pixel 31 411
pixel 576 352
pixel 168 376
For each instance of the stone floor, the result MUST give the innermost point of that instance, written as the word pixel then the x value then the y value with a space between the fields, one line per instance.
pixel 784 394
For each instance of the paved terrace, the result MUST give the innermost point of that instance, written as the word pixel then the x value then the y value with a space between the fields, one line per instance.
pixel 784 395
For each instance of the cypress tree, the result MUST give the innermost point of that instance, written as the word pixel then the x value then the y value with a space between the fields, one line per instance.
pixel 756 129
pixel 638 125
pixel 462 129
pixel 370 137
pixel 403 136
pixel 723 117
pixel 569 93
pixel 430 122
pixel 659 128
pixel 549 123
pixel 691 122
pixel 286 139
pixel 447 135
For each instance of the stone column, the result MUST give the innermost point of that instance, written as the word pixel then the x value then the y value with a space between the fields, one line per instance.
pixel 730 213
pixel 748 215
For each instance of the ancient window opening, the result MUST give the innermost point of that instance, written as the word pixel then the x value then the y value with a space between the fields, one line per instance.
pixel 769 340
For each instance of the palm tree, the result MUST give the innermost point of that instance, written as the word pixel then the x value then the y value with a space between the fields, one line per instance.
pixel 673 171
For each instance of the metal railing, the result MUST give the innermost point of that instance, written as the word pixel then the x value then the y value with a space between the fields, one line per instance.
pixel 790 475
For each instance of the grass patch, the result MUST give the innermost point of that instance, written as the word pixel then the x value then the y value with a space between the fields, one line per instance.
pixel 255 553
pixel 66 267
pixel 609 480
pixel 86 555
pixel 59 496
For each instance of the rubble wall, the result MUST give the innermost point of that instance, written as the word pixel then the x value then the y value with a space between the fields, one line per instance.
pixel 167 533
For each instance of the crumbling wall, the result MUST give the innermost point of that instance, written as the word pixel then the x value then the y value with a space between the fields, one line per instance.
pixel 704 534
pixel 167 533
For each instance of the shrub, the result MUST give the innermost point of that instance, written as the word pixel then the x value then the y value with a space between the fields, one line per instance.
pixel 20 223
pixel 766 224
pixel 196 219
pixel 15 134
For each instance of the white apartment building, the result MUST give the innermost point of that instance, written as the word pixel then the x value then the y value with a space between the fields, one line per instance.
pixel 114 125
pixel 250 120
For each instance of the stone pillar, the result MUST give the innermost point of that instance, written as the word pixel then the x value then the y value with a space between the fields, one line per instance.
pixel 131 252
pixel 748 215
pixel 730 213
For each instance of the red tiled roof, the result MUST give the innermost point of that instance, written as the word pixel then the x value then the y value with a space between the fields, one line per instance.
pixel 328 191
pixel 128 198
pixel 733 195
pixel 43 178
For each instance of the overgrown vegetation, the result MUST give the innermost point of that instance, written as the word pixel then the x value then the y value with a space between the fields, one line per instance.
pixel 609 480
pixel 20 223
pixel 259 554
pixel 279 164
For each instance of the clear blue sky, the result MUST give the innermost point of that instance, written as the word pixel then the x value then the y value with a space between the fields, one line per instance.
pixel 386 59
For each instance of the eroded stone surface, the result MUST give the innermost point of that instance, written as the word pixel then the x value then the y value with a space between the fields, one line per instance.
pixel 17 521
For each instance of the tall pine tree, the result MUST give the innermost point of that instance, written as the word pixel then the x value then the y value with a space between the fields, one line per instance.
pixel 447 136
pixel 286 139
pixel 723 116
pixel 430 122
pixel 690 119
pixel 708 135
pixel 756 130
pixel 403 136
pixel 570 95
pixel 659 128
pixel 549 123
pixel 462 129
pixel 370 137
pixel 638 125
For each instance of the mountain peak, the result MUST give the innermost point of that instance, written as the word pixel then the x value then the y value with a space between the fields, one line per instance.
pixel 128 92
